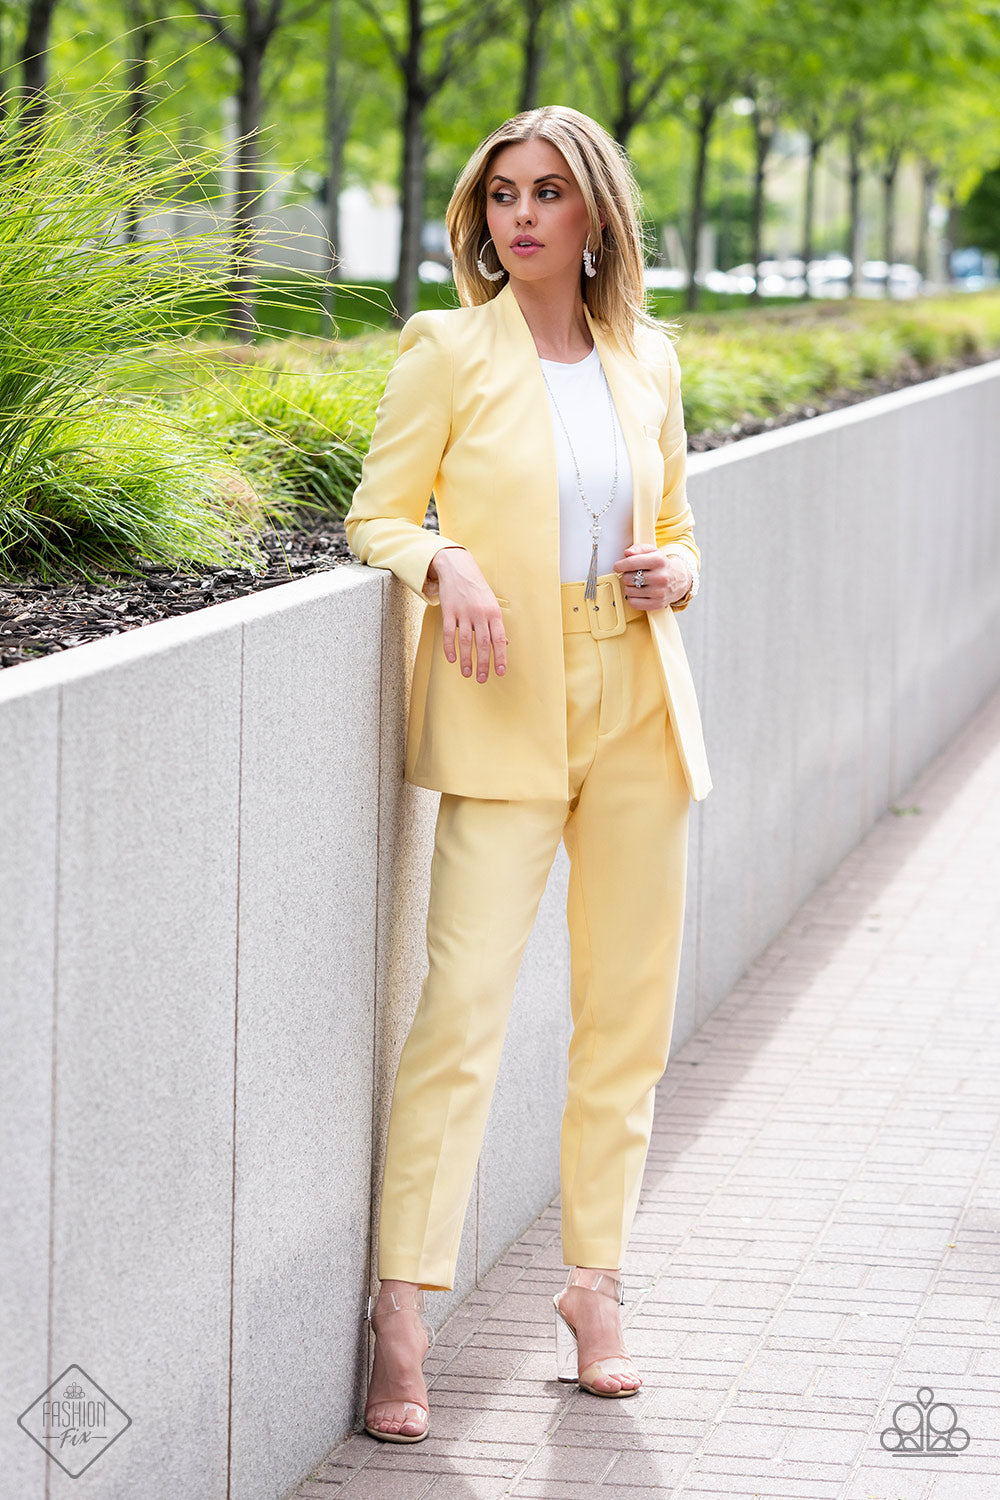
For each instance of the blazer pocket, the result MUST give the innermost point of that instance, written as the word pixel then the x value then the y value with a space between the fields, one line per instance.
pixel 652 429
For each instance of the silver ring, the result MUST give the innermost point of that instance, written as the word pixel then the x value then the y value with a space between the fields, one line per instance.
pixel 638 581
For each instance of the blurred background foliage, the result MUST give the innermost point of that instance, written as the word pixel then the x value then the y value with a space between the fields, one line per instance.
pixel 170 383
pixel 722 106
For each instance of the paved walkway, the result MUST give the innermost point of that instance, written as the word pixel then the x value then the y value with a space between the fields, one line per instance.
pixel 819 1233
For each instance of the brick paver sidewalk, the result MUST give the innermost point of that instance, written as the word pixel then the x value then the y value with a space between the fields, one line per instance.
pixel 819 1233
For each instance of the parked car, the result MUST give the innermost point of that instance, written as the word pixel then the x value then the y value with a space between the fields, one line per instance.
pixel 973 269
pixel 667 278
pixel 673 279
pixel 725 281
pixel 777 278
pixel 903 280
pixel 829 276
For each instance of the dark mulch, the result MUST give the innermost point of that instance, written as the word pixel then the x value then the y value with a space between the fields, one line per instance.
pixel 38 619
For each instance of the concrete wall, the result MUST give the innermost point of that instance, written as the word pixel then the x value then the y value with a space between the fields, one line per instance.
pixel 212 929
pixel 847 625
pixel 212 935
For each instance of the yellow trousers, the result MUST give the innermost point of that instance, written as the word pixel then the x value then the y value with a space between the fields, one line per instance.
pixel 625 830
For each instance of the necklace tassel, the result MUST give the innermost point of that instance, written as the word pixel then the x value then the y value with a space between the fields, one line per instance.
pixel 590 591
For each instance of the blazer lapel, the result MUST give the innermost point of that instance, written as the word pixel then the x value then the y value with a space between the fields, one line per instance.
pixel 624 376
pixel 536 430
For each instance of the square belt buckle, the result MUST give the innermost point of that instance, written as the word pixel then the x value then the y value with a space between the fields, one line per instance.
pixel 610 602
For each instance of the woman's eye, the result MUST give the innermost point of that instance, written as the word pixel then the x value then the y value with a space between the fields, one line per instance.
pixel 501 195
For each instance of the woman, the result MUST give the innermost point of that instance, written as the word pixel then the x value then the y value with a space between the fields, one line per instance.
pixel 551 700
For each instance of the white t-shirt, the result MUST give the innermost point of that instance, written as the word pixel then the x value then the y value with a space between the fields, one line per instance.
pixel 580 392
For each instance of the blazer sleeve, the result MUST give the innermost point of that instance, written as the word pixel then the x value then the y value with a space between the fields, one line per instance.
pixel 674 522
pixel 384 525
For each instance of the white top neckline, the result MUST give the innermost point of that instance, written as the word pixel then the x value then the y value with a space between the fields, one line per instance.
pixel 569 364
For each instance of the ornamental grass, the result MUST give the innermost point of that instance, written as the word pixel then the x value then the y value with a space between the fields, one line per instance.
pixel 98 472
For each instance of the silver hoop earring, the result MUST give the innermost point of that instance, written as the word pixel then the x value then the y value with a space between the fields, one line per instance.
pixel 588 259
pixel 490 275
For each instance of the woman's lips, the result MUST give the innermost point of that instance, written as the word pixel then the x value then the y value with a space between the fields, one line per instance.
pixel 525 249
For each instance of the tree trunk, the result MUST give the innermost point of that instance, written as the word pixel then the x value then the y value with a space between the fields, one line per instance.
pixel 246 191
pixel 889 214
pixel 136 102
pixel 929 177
pixel 763 135
pixel 706 116
pixel 414 153
pixel 35 64
pixel 338 117
pixel 532 62
pixel 854 209
pixel 724 251
pixel 953 231
pixel 809 208
pixel 625 115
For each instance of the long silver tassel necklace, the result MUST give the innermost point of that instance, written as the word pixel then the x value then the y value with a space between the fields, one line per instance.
pixel 590 591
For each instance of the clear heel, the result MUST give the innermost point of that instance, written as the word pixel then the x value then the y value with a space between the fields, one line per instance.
pixel 414 1413
pixel 616 1366
pixel 566 1361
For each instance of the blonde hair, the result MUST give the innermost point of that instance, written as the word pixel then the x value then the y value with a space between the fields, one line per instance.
pixel 616 295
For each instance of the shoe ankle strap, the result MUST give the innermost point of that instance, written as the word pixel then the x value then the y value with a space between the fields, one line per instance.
pixel 394 1301
pixel 597 1281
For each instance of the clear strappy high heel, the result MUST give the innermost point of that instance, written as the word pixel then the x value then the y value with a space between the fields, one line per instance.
pixel 566 1341
pixel 413 1411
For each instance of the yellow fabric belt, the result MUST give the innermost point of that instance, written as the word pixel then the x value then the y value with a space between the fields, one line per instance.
pixel 606 615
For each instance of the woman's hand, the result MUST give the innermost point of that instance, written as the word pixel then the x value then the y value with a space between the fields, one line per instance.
pixel 665 576
pixel 469 605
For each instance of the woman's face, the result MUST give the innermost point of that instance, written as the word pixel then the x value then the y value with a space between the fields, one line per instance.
pixel 536 213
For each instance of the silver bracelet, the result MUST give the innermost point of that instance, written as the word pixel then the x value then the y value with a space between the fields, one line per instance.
pixel 685 557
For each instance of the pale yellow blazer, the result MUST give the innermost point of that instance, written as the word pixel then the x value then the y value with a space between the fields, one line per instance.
pixel 465 413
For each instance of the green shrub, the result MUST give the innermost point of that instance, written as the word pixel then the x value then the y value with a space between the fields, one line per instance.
pixel 736 366
pixel 294 423
pixel 764 362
